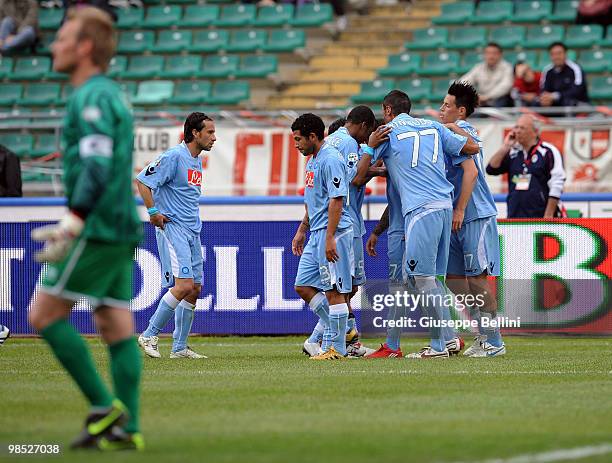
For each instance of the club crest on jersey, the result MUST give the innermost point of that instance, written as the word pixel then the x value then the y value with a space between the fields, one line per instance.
pixel 309 180
pixel 194 177
pixel 534 158
pixel 352 159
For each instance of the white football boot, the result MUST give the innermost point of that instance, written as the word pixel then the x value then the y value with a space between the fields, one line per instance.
pixel 312 349
pixel 186 353
pixel 356 350
pixel 149 345
pixel 476 345
pixel 429 353
pixel 489 350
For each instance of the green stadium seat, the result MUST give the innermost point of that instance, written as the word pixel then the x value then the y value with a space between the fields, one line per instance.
pixel 135 41
pixel 31 68
pixel 584 36
pixel 44 45
pixel 600 88
pixel 50 18
pixel 172 41
pixel 607 40
pixel 200 15
pixel 508 36
pixel 401 64
pixel 417 89
pixel 6 66
pixel 66 92
pixel 565 11
pixel 219 66
pixel 191 92
pixel 20 144
pixel 532 11
pixel 44 144
pixel 143 67
pixel 162 16
pixel 493 12
pixel 438 64
pixel 272 16
pixel 439 90
pixel 230 92
pixel 596 60
pixel 40 94
pixel 428 39
pixel 373 91
pixel 257 66
pixel 236 15
pixel 57 76
pixel 246 40
pixel 285 40
pixel 10 93
pixel 210 41
pixel 19 116
pixel 544 58
pixel 467 38
pixel 313 15
pixel 118 65
pixel 181 66
pixel 543 36
pixel 129 88
pixel 529 57
pixel 129 18
pixel 455 13
pixel 152 92
pixel 469 60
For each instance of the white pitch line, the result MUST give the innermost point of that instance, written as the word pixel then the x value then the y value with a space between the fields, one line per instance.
pixel 557 455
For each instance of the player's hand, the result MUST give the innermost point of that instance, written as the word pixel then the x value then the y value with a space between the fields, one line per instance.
pixel 547 99
pixel 330 249
pixel 458 216
pixel 371 245
pixel 58 238
pixel 510 139
pixel 159 220
pixel 379 136
pixel 297 245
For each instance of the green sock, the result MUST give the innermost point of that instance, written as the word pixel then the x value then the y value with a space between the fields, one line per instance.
pixel 72 352
pixel 126 365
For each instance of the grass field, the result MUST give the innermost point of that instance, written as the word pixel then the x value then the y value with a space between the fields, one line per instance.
pixel 261 400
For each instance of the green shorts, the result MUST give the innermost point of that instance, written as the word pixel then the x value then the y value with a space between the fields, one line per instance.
pixel 97 271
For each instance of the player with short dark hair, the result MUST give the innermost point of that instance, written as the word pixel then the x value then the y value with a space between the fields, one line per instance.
pixel 336 125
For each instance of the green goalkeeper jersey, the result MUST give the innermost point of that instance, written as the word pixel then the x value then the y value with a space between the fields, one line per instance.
pixel 97 145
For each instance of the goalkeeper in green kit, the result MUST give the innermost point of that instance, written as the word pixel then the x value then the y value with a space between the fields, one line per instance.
pixel 90 251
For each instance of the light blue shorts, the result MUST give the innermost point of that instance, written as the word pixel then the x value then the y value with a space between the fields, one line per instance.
pixel 474 249
pixel 427 234
pixel 359 277
pixel 180 253
pixel 314 269
pixel 395 251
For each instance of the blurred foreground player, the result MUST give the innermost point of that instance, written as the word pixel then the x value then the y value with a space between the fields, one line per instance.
pixel 90 251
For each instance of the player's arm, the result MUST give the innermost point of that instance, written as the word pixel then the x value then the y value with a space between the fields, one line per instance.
pixel 297 245
pixel 379 229
pixel 365 171
pixel 499 163
pixel 471 146
pixel 555 183
pixel 470 176
pixel 156 218
pixel 334 212
pixel 337 190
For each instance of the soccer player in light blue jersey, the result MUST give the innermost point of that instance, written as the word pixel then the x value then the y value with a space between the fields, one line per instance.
pixel 326 268
pixel 171 187
pixel 474 246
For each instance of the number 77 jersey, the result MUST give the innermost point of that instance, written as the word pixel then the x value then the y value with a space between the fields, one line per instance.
pixel 414 157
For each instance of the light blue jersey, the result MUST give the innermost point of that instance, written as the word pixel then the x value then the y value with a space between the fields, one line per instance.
pixel 414 157
pixel 481 204
pixel 325 179
pixel 396 219
pixel 350 151
pixel 176 180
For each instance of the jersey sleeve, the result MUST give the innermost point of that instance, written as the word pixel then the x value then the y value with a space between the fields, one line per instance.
pixel 335 178
pixel 452 143
pixel 381 151
pixel 350 153
pixel 158 172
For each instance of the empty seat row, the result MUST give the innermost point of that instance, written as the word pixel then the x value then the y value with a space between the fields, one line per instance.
pixel 26 145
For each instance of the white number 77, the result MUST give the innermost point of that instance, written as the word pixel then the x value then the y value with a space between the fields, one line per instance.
pixel 417 142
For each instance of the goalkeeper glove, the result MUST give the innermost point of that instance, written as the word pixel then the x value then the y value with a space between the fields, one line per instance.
pixel 58 238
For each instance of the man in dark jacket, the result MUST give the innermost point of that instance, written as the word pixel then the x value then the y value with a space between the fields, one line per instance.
pixel 18 25
pixel 10 173
pixel 563 82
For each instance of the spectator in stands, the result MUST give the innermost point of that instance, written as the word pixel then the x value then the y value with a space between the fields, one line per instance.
pixel 102 4
pixel 594 12
pixel 535 171
pixel 492 78
pixel 10 173
pixel 526 88
pixel 563 82
pixel 18 25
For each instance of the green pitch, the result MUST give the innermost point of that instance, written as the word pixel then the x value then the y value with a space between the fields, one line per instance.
pixel 261 400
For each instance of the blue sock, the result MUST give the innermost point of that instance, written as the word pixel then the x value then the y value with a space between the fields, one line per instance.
pixel 320 306
pixel 475 315
pixel 338 318
pixel 448 332
pixel 350 324
pixel 182 325
pixel 493 334
pixel 431 286
pixel 317 333
pixel 164 312
pixel 394 334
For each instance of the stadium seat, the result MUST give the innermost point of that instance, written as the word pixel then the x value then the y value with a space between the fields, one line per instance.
pixel 191 92
pixel 19 116
pixel 6 66
pixel 181 66
pixel 257 66
pixel 129 18
pixel 236 15
pixel 401 64
pixel 507 36
pixel 50 18
pixel 219 66
pixel 10 93
pixel 118 65
pixel 31 68
pixel 151 92
pixel 210 41
pixel 143 67
pixel 565 11
pixel 44 45
pixel 428 39
pixel 285 40
pixel 531 11
pixel 467 38
pixel 271 16
pixel 417 89
pixel 53 75
pixel 312 15
pixel 246 40
pixel 492 12
pixel 135 41
pixel 129 88
pixel 543 36
pixel 455 13
pixel 66 92
pixel 20 144
pixel 584 36
pixel 600 88
pixel 200 15
pixel 607 40
pixel 162 16
pixel 529 57
pixel 40 94
pixel 439 90
pixel 596 60
pixel 438 64
pixel 230 92
pixel 44 144
pixel 469 60
pixel 172 41
pixel 373 91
